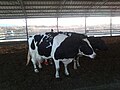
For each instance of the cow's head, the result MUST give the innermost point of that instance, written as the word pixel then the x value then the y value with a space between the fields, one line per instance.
pixel 86 49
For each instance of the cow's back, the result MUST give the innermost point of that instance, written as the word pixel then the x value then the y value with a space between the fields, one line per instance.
pixel 69 47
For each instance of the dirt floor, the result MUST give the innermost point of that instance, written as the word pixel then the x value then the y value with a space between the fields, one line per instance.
pixel 102 73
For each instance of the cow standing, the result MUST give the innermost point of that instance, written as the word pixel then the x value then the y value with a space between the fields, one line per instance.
pixel 40 47
pixel 65 48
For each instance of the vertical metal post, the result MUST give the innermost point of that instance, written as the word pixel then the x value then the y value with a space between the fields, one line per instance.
pixel 26 28
pixel 57 25
pixel 85 26
pixel 110 26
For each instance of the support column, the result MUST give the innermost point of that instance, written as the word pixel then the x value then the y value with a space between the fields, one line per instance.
pixel 26 28
pixel 110 26
pixel 85 26
pixel 57 25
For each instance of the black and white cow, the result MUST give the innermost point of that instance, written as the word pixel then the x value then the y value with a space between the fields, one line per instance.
pixel 40 47
pixel 97 43
pixel 65 48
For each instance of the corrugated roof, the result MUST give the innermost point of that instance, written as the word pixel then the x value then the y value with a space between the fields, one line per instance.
pixel 58 8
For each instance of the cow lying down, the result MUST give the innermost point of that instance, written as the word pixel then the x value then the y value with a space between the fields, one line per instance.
pixel 59 46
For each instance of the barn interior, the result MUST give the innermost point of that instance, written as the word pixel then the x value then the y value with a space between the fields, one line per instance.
pixel 100 74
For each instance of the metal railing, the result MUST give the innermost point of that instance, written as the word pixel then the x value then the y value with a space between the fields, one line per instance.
pixel 97 32
pixel 5 36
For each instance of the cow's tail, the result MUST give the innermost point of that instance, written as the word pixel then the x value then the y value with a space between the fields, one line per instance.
pixel 28 58
pixel 28 55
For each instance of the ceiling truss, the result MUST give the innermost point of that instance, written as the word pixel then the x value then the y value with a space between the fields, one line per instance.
pixel 58 8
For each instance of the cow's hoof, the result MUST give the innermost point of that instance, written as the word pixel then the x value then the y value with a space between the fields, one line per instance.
pixel 57 77
pixel 75 68
pixel 40 67
pixel 36 71
pixel 67 74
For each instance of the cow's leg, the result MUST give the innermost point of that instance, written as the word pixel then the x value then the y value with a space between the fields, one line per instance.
pixel 66 62
pixel 28 58
pixel 66 70
pixel 50 60
pixel 57 66
pixel 77 61
pixel 75 64
pixel 39 64
pixel 34 65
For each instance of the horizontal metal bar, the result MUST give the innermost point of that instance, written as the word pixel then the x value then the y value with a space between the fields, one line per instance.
pixel 77 4
pixel 62 9
pixel 62 13
pixel 69 12
pixel 53 16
